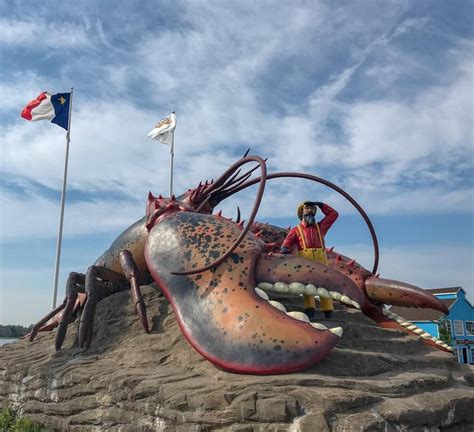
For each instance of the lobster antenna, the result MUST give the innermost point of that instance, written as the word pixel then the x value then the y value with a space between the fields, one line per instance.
pixel 238 215
pixel 258 199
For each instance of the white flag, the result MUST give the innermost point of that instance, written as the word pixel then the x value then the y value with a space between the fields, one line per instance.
pixel 164 129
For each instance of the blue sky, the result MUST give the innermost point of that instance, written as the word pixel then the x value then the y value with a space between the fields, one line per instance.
pixel 374 96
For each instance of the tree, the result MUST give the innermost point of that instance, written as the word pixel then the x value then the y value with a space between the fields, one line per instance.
pixel 13 331
pixel 444 330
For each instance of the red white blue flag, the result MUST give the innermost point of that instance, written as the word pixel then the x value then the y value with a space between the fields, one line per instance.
pixel 46 106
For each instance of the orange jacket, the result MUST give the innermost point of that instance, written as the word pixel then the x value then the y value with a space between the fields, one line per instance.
pixel 310 232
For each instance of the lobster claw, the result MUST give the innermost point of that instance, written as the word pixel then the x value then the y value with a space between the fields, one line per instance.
pixel 221 313
pixel 397 293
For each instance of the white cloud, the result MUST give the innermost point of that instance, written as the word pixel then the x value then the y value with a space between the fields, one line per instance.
pixel 106 153
pixel 388 143
pixel 39 33
pixel 18 91
pixel 436 124
pixel 32 217
pixel 314 88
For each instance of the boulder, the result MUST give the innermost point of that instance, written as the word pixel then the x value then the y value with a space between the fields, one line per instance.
pixel 374 380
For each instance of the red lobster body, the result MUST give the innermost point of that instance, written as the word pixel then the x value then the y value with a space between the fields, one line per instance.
pixel 217 275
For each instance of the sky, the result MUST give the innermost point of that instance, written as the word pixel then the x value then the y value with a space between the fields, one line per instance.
pixel 376 97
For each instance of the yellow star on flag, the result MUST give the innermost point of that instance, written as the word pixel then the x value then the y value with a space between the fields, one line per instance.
pixel 62 100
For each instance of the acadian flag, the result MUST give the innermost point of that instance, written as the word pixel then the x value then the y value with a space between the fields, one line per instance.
pixel 164 129
pixel 49 107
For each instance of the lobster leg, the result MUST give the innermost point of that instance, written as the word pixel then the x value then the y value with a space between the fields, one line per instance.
pixel 39 325
pixel 131 272
pixel 72 290
pixel 95 291
pixel 55 317
pixel 86 325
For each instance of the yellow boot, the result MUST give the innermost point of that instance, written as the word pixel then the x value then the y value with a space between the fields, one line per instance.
pixel 327 306
pixel 309 306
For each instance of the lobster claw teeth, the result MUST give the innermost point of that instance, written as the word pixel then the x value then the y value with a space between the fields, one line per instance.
pixel 277 305
pixel 323 292
pixel 298 315
pixel 303 317
pixel 262 294
pixel 309 289
pixel 346 300
pixel 296 286
pixel 281 286
pixel 336 330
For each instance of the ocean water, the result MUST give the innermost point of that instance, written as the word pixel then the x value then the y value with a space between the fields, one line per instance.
pixel 5 341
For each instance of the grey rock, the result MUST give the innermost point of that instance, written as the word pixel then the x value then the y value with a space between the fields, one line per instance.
pixel 469 379
pixel 376 379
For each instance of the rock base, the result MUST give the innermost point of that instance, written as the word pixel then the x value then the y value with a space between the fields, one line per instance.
pixel 128 381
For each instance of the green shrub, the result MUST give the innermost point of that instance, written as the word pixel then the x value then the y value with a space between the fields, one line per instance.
pixel 444 330
pixel 10 423
pixel 7 420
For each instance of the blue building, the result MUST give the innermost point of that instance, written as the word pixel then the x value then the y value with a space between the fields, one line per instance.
pixel 459 322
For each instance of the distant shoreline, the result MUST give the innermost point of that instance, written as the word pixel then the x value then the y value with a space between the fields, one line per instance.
pixel 12 331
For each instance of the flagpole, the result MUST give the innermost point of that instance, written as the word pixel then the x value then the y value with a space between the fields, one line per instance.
pixel 171 163
pixel 63 199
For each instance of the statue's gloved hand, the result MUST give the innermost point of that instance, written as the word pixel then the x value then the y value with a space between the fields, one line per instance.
pixel 319 204
pixel 284 250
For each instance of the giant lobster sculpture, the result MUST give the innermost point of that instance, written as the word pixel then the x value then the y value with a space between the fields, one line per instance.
pixel 217 275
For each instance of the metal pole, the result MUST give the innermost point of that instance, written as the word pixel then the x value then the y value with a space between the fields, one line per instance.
pixel 63 198
pixel 171 163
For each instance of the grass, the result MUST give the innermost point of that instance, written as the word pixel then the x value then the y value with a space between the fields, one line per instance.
pixel 9 422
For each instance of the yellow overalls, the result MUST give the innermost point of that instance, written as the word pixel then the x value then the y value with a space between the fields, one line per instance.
pixel 315 254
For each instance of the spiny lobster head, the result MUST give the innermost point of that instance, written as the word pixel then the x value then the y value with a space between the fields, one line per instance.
pixel 206 196
pixel 197 200
pixel 157 208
